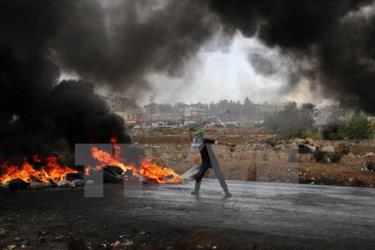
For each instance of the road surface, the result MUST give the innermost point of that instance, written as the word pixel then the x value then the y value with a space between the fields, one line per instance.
pixel 284 215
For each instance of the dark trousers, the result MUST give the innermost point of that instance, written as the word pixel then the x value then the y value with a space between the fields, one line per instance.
pixel 206 164
pixel 202 170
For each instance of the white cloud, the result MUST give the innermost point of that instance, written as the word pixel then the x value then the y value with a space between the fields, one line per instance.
pixel 219 72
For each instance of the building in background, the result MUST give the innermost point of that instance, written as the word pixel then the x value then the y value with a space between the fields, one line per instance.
pixel 221 114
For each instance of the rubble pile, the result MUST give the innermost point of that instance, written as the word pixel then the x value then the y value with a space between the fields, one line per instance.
pixel 368 167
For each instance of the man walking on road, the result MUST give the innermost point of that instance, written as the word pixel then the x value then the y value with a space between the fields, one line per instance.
pixel 197 140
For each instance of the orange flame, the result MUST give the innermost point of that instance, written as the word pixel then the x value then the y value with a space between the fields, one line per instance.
pixel 157 173
pixel 149 170
pixel 106 159
pixel 50 171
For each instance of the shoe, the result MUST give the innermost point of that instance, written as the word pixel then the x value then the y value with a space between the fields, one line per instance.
pixel 194 193
pixel 227 195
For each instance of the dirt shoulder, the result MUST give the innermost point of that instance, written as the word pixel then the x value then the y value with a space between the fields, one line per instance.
pixel 263 157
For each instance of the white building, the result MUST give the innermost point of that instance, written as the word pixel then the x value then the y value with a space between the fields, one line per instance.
pixel 193 112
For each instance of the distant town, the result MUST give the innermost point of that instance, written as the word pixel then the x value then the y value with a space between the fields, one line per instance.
pixel 225 113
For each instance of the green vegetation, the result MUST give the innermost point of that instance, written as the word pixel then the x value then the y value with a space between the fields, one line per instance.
pixel 326 157
pixel 308 108
pixel 357 127
pixel 311 133
pixel 298 122
pixel 334 131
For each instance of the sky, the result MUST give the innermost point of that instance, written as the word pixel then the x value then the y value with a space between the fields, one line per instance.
pixel 134 45
pixel 220 72
pixel 225 70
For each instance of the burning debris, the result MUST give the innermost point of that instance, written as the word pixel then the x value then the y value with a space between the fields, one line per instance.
pixel 38 172
pixel 147 169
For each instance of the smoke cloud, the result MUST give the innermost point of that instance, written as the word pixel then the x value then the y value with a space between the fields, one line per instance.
pixel 118 43
pixel 115 43
pixel 330 42
pixel 36 114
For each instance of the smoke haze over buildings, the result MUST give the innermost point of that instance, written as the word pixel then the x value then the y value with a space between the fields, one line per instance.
pixel 123 44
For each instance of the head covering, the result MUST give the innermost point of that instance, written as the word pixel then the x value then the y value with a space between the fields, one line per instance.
pixel 198 139
pixel 198 133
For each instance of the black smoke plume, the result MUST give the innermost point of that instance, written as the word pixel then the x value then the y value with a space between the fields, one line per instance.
pixel 38 114
pixel 118 43
pixel 106 42
pixel 335 37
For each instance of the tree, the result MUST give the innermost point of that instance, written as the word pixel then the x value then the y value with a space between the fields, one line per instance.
pixel 334 131
pixel 358 127
pixel 308 107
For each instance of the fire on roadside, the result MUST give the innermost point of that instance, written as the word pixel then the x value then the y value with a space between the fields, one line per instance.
pixel 50 170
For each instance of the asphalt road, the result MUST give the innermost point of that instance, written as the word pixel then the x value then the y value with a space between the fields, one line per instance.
pixel 288 215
